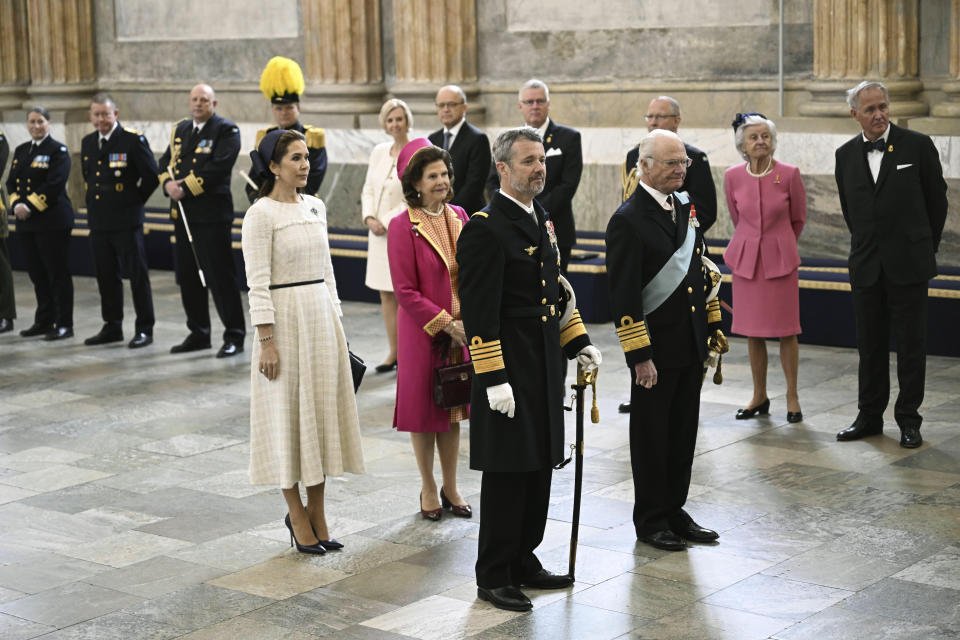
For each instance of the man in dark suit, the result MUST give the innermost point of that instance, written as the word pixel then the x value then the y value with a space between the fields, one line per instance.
pixel 511 301
pixel 202 152
pixel 120 173
pixel 658 297
pixel 664 113
pixel 468 146
pixel 282 84
pixel 894 201
pixel 8 305
pixel 564 165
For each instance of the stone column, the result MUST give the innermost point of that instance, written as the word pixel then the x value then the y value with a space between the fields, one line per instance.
pixel 14 55
pixel 855 40
pixel 62 61
pixel 435 44
pixel 950 108
pixel 342 59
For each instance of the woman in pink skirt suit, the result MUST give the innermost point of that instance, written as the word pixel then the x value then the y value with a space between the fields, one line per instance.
pixel 421 246
pixel 768 206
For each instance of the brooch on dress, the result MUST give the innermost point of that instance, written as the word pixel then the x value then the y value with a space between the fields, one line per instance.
pixel 314 211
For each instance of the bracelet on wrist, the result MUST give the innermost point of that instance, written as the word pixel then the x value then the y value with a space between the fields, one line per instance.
pixel 265 339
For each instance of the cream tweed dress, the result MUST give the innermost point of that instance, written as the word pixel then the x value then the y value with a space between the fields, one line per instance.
pixel 303 424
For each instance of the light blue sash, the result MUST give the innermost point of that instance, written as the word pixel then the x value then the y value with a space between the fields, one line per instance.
pixel 670 275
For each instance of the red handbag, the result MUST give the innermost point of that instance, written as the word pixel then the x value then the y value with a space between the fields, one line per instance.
pixel 451 385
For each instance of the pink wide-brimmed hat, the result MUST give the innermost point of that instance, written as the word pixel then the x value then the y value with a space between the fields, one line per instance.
pixel 403 159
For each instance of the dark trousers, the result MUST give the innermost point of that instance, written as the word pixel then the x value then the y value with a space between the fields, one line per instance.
pixel 115 254
pixel 8 304
pixel 46 254
pixel 663 434
pixel 878 308
pixel 513 515
pixel 214 251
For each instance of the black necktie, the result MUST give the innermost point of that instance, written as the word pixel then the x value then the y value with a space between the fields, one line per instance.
pixel 196 132
pixel 876 145
pixel 673 212
pixel 102 142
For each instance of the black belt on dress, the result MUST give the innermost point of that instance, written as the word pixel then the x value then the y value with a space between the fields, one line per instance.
pixel 295 284
pixel 529 312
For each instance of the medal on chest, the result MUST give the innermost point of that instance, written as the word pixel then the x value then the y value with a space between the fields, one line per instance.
pixel 552 234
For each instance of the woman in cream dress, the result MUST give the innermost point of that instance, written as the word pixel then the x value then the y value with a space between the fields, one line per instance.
pixel 303 413
pixel 381 199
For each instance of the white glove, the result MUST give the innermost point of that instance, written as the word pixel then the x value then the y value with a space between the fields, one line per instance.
pixel 589 358
pixel 501 399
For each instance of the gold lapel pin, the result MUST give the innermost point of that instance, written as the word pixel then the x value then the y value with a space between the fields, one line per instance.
pixel 890 148
pixel 530 250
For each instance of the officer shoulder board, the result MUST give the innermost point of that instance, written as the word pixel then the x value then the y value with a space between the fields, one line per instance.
pixel 133 131
pixel 479 214
pixel 261 134
pixel 316 137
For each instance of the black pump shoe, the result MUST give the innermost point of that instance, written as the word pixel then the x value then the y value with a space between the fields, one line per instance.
pixel 316 549
pixel 762 409
pixel 794 416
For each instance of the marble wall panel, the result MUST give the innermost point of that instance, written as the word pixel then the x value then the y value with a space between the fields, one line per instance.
pixel 571 15
pixel 206 21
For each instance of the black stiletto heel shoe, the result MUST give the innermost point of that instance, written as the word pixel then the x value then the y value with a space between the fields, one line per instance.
pixel 794 416
pixel 315 549
pixel 762 409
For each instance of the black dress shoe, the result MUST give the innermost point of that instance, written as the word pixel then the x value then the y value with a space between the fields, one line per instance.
pixel 107 334
pixel 509 598
pixel 36 330
pixel 383 368
pixel 6 324
pixel 794 416
pixel 543 579
pixel 59 333
pixel 763 409
pixel 229 349
pixel 910 437
pixel 861 428
pixel 666 540
pixel 331 544
pixel 193 342
pixel 624 407
pixel 692 531
pixel 141 339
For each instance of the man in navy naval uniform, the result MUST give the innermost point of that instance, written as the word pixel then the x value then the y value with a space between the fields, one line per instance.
pixel 202 152
pixel 282 84
pixel 512 303
pixel 564 165
pixel 658 296
pixel 894 201
pixel 119 174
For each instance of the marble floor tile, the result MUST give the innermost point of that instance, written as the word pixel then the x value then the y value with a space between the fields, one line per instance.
pixel 837 622
pixel 53 477
pixel 47 572
pixel 188 444
pixel 115 626
pixel 439 618
pixel 279 578
pixel 640 595
pixel 40 457
pixel 320 612
pixel 69 604
pixel 939 570
pixel 887 543
pixel 77 498
pixel 154 577
pixel 699 620
pixel 564 619
pixel 828 568
pixel 127 548
pixel 363 553
pixel 45 397
pixel 12 494
pixel 233 552
pixel 13 628
pixel 457 556
pixel 233 484
pixel 400 583
pixel 910 601
pixel 244 627
pixel 938 520
pixel 197 607
pixel 413 530
pixel 706 567
pixel 593 565
pixel 777 597
pixel 6 595
pixel 116 520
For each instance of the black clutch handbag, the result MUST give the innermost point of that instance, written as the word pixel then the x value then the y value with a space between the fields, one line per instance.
pixel 451 385
pixel 357 368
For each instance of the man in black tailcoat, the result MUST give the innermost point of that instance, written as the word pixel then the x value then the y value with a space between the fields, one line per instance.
pixel 468 147
pixel 120 173
pixel 658 296
pixel 511 299
pixel 203 150
pixel 894 201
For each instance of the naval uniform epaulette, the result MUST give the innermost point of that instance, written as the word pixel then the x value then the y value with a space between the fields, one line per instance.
pixel 316 137
pixel 261 134
pixel 479 214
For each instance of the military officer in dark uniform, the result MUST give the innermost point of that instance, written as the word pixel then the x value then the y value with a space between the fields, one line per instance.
pixel 119 173
pixel 8 305
pixel 37 185
pixel 658 296
pixel 664 113
pixel 282 84
pixel 510 296
pixel 202 152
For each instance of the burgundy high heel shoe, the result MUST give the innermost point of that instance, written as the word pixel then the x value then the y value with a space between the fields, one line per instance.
pixel 459 510
pixel 432 514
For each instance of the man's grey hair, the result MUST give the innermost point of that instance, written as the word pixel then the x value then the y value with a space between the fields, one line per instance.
pixel 853 95
pixel 102 97
pixel 648 142
pixel 503 146
pixel 673 104
pixel 533 83
pixel 741 133
pixel 457 90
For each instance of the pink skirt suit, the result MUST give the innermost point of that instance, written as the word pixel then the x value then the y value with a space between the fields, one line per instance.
pixel 768 214
pixel 424 272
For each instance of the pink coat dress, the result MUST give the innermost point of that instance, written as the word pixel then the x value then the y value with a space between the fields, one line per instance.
pixel 768 214
pixel 421 282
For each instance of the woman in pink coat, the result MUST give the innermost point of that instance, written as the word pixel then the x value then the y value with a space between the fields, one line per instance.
pixel 421 246
pixel 768 205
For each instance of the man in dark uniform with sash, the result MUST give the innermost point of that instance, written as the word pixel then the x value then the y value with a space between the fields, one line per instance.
pixel 119 173
pixel 202 152
pixel 511 300
pixel 658 292
pixel 282 83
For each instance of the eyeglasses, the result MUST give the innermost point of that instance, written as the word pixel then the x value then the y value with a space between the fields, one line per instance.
pixel 651 117
pixel 536 101
pixel 448 105
pixel 673 163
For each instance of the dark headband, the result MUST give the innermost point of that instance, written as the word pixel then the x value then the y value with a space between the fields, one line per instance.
pixel 741 117
pixel 261 156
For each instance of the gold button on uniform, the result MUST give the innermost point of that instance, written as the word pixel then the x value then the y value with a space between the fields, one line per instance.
pixel 689 289
pixel 543 318
pixel 692 309
pixel 543 283
pixel 544 301
pixel 698 251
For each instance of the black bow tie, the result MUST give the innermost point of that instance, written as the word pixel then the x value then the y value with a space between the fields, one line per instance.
pixel 876 145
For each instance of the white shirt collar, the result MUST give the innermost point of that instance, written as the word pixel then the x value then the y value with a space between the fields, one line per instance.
pixel 543 129
pixel 455 129
pixel 106 138
pixel 528 208
pixel 883 137
pixel 40 141
pixel 659 196
pixel 200 125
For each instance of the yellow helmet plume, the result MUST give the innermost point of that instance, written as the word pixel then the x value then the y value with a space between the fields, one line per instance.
pixel 282 81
